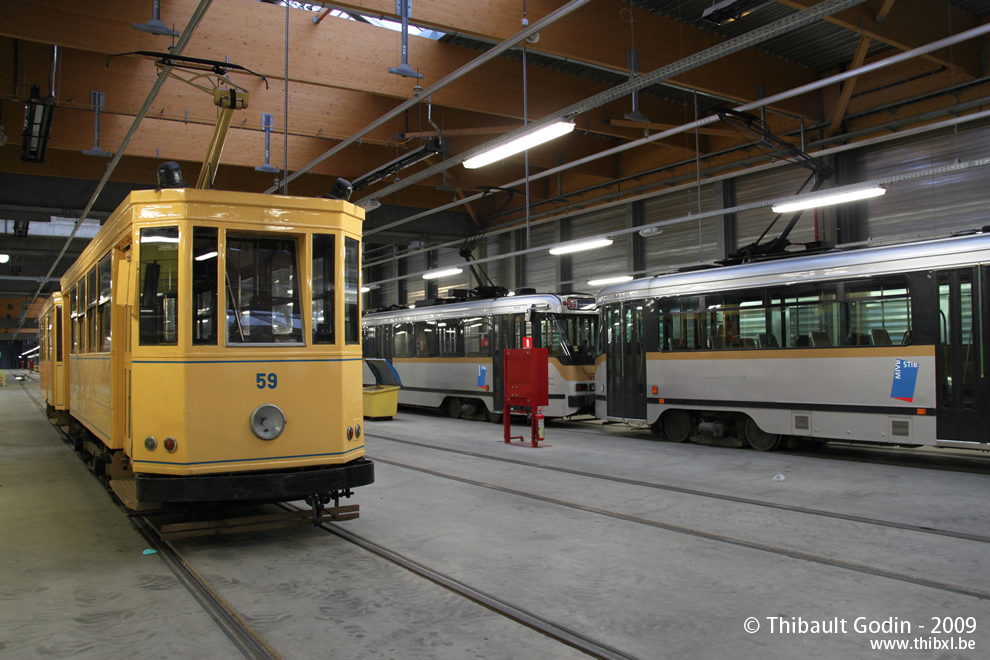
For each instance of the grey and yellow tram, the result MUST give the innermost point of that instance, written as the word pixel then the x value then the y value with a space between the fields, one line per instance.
pixel 449 355
pixel 881 345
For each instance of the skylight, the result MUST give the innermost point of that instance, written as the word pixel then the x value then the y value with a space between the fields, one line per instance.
pixel 378 21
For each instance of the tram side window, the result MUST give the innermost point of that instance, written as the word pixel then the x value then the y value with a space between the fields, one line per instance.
pixel 877 313
pixel 426 339
pixel 159 286
pixel 402 340
pixel 204 286
pixel 323 289
pixel 369 343
pixel 476 336
pixel 450 339
pixel 92 294
pixel 806 317
pixel 103 303
pixel 737 321
pixel 74 320
pixel 519 328
pixel 352 285
pixel 58 334
pixel 263 290
pixel 680 329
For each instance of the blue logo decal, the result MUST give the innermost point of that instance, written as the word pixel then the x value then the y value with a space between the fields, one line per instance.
pixel 482 372
pixel 905 377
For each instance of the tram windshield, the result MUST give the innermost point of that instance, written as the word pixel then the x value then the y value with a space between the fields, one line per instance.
pixel 570 335
pixel 262 290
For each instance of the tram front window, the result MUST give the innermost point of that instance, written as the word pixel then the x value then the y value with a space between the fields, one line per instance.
pixel 159 287
pixel 570 335
pixel 262 290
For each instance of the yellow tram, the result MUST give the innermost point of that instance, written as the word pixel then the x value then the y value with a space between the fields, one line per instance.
pixel 212 348
pixel 51 359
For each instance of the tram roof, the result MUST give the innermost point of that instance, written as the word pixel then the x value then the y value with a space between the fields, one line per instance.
pixel 466 308
pixel 837 265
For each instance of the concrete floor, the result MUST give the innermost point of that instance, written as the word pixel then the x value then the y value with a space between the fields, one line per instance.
pixel 668 571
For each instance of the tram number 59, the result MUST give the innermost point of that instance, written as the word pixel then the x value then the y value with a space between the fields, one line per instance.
pixel 266 380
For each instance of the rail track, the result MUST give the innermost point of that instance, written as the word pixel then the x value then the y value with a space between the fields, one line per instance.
pixel 721 538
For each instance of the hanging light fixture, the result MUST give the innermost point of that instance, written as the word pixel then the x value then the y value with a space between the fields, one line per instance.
pixel 155 25
pixel 579 246
pixel 618 279
pixel 521 143
pixel 37 126
pixel 827 199
pixel 446 272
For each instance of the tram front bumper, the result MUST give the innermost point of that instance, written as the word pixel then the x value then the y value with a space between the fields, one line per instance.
pixel 278 486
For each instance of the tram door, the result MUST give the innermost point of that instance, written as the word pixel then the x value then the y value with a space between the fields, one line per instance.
pixel 499 329
pixel 625 355
pixel 959 355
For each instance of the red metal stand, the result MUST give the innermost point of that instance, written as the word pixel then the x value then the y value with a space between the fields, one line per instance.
pixel 526 386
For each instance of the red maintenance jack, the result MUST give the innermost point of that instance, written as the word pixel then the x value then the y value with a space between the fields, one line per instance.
pixel 526 388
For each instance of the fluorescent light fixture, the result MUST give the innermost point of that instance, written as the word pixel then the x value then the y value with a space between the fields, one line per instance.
pixel 204 257
pixel 828 199
pixel 578 246
pixel 365 289
pixel 434 274
pixel 4 258
pixel 619 279
pixel 521 143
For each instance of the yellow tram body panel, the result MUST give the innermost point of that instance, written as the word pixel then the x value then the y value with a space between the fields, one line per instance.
pixel 320 398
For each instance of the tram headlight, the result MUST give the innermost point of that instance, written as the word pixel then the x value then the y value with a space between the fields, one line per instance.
pixel 267 421
pixel 357 431
pixel 150 443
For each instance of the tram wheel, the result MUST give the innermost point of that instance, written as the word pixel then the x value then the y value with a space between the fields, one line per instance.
pixel 453 407
pixel 759 439
pixel 493 417
pixel 677 425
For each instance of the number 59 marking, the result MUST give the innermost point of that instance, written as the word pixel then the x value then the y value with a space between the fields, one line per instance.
pixel 266 380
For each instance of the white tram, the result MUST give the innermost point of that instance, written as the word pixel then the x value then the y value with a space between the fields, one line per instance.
pixel 449 355
pixel 882 345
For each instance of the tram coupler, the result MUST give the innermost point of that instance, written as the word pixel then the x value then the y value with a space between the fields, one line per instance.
pixel 336 513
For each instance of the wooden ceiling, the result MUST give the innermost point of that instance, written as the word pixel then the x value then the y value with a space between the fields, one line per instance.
pixel 339 83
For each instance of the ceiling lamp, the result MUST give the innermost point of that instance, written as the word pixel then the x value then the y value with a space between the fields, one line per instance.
pixel 447 272
pixel 155 25
pixel 578 246
pixel 814 201
pixel 521 143
pixel 618 279
pixel 37 126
